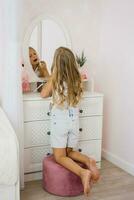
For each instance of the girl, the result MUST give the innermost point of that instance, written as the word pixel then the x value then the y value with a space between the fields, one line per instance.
pixel 65 86
pixel 39 67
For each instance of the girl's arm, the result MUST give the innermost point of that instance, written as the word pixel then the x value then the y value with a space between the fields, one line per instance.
pixel 47 89
pixel 43 70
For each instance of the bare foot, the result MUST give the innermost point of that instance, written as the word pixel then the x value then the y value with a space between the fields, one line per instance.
pixel 85 178
pixel 91 164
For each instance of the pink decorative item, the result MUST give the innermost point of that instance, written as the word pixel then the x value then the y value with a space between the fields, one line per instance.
pixel 84 73
pixel 25 81
pixel 59 180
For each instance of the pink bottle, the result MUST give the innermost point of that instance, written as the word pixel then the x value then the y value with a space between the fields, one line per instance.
pixel 25 81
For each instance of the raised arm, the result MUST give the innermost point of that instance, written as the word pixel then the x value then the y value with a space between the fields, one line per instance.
pixel 47 89
pixel 43 70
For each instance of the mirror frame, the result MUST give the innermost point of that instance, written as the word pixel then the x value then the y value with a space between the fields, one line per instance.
pixel 25 50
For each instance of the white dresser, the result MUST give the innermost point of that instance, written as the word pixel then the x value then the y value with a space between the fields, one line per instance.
pixel 37 130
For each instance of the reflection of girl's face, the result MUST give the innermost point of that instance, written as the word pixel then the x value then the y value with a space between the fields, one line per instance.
pixel 34 60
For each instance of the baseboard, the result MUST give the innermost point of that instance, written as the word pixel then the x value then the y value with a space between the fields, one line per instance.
pixel 33 176
pixel 126 166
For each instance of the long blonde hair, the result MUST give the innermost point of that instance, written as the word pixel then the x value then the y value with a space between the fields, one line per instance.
pixel 65 73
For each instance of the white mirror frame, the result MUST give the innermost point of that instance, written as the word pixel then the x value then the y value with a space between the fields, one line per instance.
pixel 32 76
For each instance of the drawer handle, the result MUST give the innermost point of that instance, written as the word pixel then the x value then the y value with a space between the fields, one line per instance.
pixel 48 154
pixel 48 133
pixel 48 113
pixel 80 129
pixel 80 150
pixel 81 111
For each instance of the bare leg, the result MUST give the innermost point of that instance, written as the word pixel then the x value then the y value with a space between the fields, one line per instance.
pixel 89 162
pixel 84 174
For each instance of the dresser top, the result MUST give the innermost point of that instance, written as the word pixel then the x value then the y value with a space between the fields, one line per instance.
pixel 36 96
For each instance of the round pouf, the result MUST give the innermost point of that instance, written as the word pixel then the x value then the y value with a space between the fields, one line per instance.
pixel 59 180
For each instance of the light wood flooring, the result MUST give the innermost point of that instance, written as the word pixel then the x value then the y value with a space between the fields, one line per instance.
pixel 115 184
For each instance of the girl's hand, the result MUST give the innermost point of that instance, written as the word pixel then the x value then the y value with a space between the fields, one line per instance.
pixel 47 88
pixel 43 70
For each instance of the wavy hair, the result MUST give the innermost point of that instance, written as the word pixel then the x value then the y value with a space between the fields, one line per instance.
pixel 66 79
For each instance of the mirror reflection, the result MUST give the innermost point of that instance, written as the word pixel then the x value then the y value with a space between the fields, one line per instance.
pixel 46 36
pixel 39 67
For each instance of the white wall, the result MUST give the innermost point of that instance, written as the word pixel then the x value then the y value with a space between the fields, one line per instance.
pixel 2 47
pixel 115 78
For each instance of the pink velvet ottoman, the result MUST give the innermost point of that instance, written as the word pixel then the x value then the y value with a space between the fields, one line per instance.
pixel 59 180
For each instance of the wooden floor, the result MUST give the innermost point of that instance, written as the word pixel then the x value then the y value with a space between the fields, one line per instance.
pixel 115 184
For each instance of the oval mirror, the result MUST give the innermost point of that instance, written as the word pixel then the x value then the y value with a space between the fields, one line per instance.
pixel 44 36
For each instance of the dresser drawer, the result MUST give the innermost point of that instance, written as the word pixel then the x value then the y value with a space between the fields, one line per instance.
pixel 39 110
pixel 90 128
pixel 36 133
pixel 91 148
pixel 33 158
pixel 91 106
pixel 36 110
